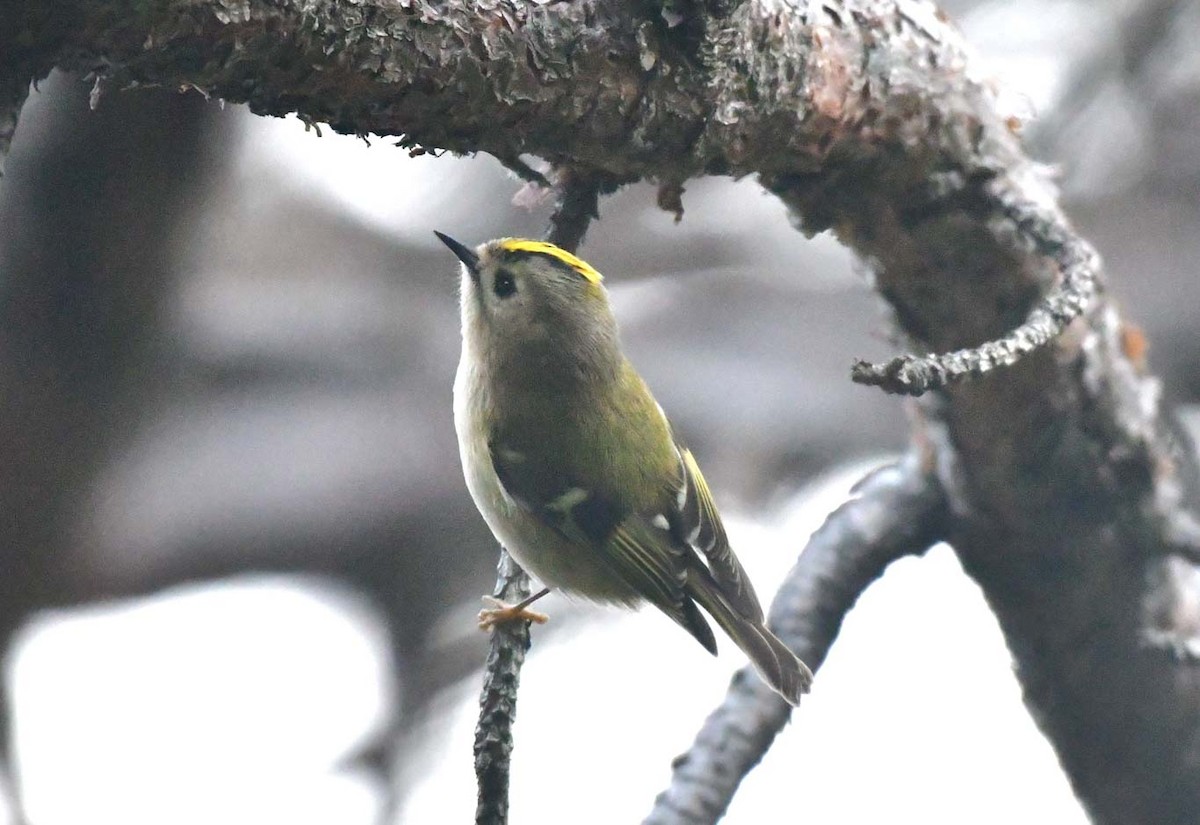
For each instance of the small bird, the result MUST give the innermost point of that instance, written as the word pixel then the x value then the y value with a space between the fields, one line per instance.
pixel 574 465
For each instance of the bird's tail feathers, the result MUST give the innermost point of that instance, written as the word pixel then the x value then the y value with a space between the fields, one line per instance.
pixel 779 667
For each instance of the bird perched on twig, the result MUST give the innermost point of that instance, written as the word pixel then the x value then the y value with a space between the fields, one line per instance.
pixel 574 465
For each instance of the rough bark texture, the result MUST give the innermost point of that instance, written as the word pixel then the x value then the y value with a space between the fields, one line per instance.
pixel 498 699
pixel 864 117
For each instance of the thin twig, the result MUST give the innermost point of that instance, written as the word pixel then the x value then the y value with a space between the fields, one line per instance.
pixel 1079 264
pixel 498 700
pixel 899 511
pixel 524 171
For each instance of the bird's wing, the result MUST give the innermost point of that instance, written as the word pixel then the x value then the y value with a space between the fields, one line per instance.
pixel 697 522
pixel 640 549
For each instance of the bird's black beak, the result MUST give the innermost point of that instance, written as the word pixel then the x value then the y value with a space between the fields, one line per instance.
pixel 470 259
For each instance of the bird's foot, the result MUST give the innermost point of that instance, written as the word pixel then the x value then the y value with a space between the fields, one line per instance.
pixel 502 612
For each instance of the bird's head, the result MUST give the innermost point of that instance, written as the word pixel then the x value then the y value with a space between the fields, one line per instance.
pixel 532 303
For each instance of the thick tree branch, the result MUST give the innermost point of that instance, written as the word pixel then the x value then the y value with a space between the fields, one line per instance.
pixel 505 79
pixel 898 511
pixel 866 118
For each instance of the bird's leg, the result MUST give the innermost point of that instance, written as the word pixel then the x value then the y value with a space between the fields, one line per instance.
pixel 501 612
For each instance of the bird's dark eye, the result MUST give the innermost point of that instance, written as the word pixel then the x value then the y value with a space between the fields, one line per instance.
pixel 504 285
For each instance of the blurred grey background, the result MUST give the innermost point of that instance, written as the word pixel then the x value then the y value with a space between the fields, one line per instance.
pixel 241 565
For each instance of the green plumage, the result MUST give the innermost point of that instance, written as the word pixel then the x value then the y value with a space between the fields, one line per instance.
pixel 574 465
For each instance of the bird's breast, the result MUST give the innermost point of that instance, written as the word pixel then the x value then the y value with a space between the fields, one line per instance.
pixel 575 569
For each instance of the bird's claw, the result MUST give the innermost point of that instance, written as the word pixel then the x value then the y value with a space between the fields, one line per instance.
pixel 502 612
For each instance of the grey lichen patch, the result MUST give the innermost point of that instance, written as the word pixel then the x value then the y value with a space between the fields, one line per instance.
pixel 232 11
pixel 1130 420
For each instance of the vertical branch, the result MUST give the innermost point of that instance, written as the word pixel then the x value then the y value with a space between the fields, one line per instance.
pixel 578 201
pixel 498 700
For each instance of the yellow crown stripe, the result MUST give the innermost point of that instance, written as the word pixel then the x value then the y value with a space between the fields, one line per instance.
pixel 563 256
